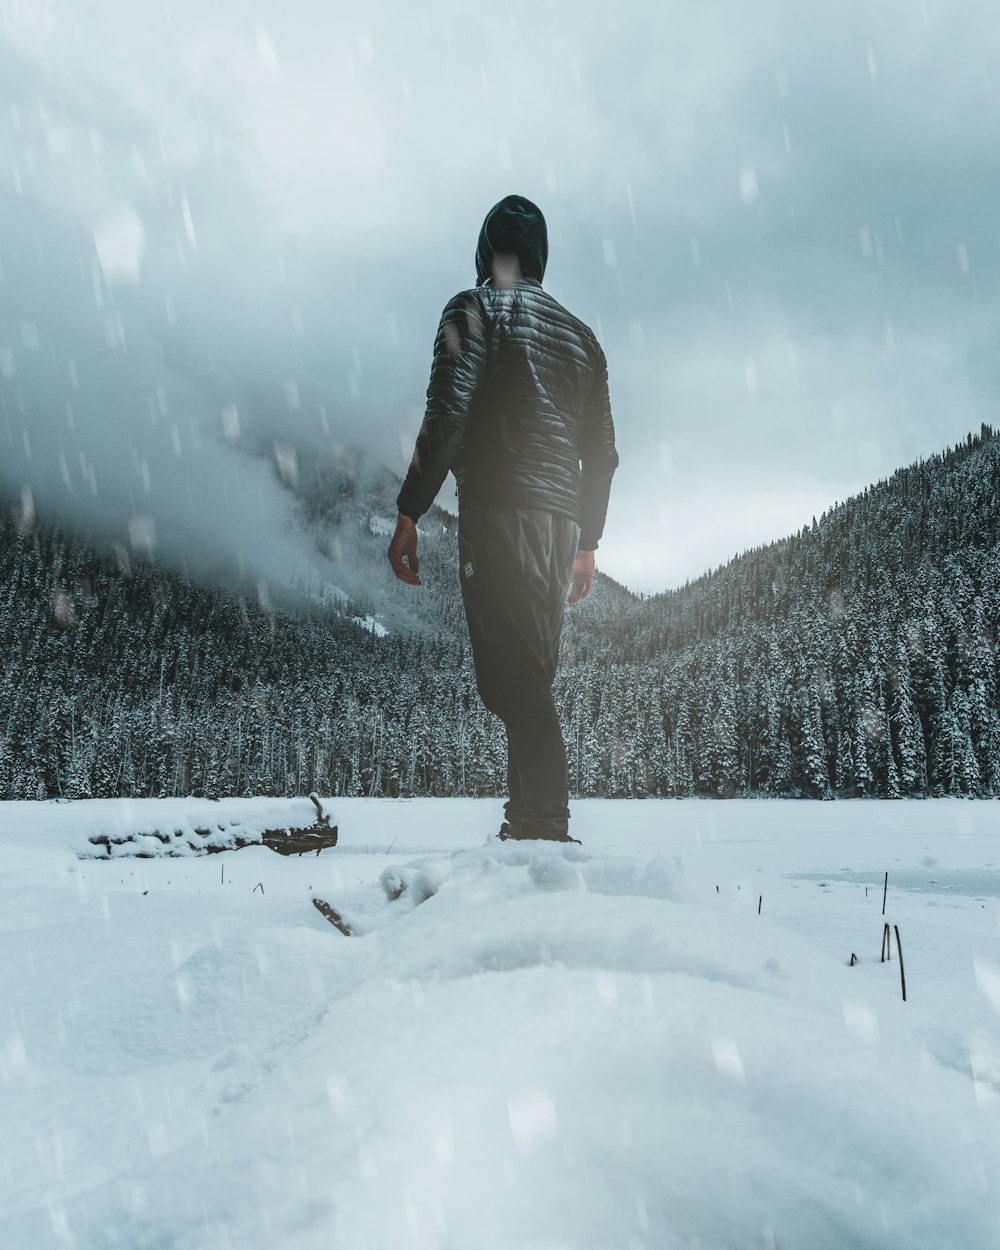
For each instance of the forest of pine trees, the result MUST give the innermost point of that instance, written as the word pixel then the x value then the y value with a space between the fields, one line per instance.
pixel 855 658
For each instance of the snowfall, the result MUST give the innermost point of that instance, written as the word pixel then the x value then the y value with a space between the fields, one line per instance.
pixel 656 1039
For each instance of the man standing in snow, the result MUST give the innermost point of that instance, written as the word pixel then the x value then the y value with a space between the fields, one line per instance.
pixel 518 409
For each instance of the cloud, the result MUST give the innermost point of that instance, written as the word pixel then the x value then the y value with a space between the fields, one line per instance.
pixel 225 232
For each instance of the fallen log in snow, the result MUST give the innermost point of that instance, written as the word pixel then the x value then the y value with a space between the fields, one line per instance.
pixel 203 840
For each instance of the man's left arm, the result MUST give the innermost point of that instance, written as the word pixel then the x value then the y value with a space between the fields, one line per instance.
pixel 456 371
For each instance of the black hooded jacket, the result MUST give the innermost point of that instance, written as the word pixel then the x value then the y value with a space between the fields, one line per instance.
pixel 517 405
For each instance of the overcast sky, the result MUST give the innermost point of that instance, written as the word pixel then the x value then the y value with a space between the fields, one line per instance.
pixel 226 227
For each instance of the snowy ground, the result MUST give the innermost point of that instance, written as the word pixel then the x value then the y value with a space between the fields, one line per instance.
pixel 587 1048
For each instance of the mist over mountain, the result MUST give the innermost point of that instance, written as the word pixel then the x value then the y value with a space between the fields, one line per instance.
pixel 855 657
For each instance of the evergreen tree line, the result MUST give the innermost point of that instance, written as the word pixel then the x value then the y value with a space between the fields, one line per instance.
pixel 858 657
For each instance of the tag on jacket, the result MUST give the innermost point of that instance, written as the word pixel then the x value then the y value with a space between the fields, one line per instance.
pixel 468 568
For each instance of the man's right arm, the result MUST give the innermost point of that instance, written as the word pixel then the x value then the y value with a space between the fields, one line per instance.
pixel 598 457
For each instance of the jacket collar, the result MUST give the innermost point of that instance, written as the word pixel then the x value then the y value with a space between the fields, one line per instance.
pixel 526 280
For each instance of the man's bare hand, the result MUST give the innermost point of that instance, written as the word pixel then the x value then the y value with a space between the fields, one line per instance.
pixel 583 576
pixel 404 546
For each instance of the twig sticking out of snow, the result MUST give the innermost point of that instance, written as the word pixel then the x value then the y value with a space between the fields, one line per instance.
pixel 321 819
pixel 886 943
pixel 899 948
pixel 334 916
pixel 885 890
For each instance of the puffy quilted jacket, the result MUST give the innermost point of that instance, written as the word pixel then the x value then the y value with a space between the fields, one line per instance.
pixel 517 405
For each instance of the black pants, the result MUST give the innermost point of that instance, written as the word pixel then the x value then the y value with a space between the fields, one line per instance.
pixel 515 567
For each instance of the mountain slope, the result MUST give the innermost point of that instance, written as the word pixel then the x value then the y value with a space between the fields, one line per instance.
pixel 857 657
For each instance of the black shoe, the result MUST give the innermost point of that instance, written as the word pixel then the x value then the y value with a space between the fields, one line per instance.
pixel 557 837
pixel 512 831
pixel 518 833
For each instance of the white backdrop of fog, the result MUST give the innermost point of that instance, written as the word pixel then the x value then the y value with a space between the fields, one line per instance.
pixel 222 231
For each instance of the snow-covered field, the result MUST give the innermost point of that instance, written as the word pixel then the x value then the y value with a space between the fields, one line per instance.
pixel 531 1048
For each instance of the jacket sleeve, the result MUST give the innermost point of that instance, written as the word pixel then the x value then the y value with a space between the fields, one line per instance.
pixel 456 371
pixel 598 458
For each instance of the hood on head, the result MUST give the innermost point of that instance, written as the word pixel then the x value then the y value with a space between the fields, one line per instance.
pixel 513 227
